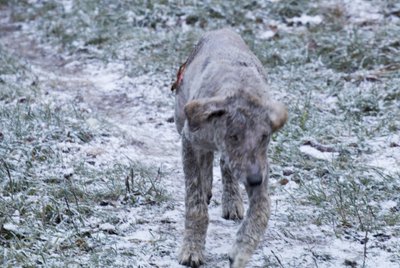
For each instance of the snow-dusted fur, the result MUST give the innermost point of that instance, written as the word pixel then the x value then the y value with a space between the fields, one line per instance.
pixel 222 105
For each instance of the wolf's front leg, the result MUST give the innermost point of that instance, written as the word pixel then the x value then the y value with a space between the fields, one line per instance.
pixel 253 227
pixel 197 166
pixel 232 204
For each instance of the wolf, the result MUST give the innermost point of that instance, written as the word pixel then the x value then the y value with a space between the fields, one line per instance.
pixel 222 105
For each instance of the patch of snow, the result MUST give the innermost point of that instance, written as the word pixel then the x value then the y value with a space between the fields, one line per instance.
pixel 68 171
pixel 360 11
pixel 130 16
pixel 387 205
pixel 105 79
pixel 68 4
pixel 141 235
pixel 306 20
pixel 11 227
pixel 16 217
pixel 389 163
pixel 386 153
pixel 266 34
pixel 106 226
pixel 186 27
pixel 314 153
pixel 250 15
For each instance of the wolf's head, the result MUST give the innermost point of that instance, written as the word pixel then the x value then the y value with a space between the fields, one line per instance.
pixel 242 126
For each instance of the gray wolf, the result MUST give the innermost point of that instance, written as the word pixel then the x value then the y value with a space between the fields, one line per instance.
pixel 221 104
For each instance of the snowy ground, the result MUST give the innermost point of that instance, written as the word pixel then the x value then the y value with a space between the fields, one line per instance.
pixel 335 166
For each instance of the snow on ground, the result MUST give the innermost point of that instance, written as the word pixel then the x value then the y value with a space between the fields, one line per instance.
pixel 315 153
pixel 360 11
pixel 387 154
pixel 141 108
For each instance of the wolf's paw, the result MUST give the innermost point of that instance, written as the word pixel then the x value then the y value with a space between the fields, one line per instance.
pixel 232 209
pixel 190 257
pixel 237 259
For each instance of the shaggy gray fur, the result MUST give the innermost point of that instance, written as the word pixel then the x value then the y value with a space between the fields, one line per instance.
pixel 222 105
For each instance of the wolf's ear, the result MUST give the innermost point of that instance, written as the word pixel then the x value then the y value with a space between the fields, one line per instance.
pixel 198 112
pixel 277 114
